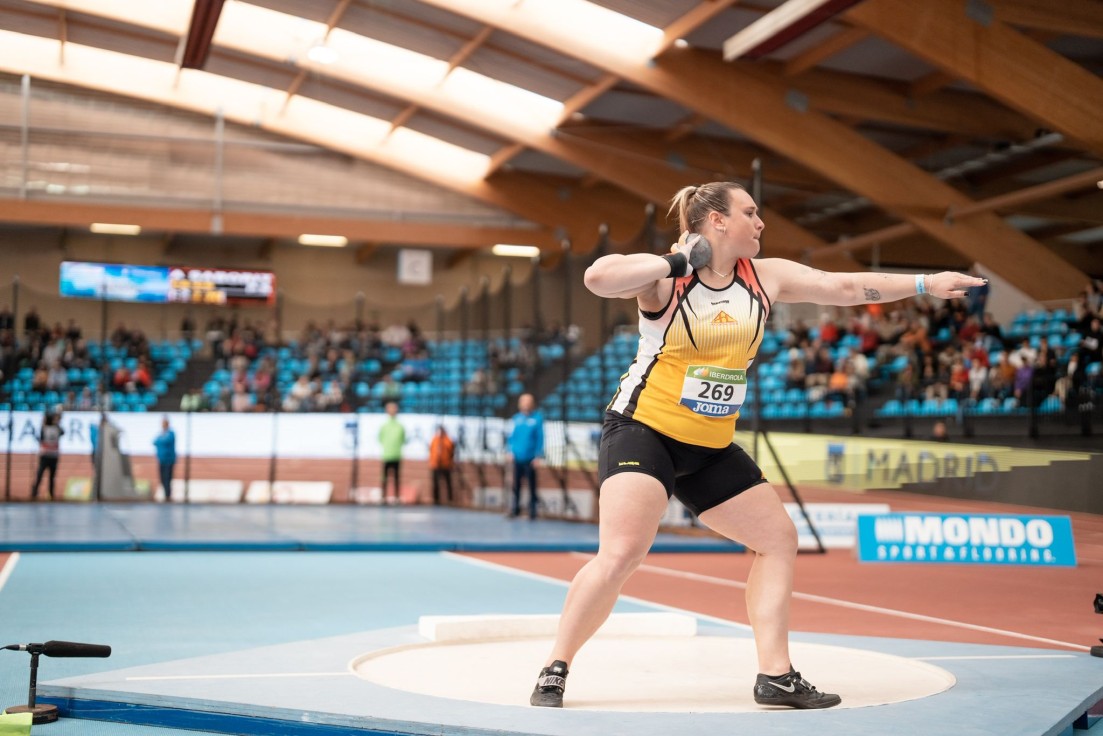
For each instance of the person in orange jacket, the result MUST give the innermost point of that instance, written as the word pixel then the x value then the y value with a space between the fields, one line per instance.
pixel 442 452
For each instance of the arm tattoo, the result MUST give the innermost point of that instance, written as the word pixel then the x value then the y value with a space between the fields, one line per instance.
pixel 872 295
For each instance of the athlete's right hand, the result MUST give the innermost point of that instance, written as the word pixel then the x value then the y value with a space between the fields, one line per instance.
pixel 695 248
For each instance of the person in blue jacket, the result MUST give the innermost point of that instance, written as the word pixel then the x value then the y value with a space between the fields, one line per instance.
pixel 165 443
pixel 526 444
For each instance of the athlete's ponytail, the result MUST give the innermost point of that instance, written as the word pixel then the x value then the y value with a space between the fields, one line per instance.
pixel 694 203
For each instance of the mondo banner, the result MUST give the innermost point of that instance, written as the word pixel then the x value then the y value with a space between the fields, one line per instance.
pixel 967 538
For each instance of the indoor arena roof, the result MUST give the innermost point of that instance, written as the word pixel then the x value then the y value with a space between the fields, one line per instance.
pixel 892 132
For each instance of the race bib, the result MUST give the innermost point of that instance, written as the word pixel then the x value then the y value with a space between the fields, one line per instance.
pixel 714 392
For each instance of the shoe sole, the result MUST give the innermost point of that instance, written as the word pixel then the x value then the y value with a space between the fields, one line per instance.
pixel 799 704
pixel 543 700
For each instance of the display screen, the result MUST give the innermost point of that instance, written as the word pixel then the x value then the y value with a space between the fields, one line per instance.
pixel 166 284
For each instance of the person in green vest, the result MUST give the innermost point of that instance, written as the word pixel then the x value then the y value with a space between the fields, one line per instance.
pixel 392 436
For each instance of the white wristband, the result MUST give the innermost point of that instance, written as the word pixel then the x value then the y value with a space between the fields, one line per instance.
pixel 920 283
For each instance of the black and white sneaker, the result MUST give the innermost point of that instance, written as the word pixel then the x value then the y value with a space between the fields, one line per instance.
pixel 548 692
pixel 792 691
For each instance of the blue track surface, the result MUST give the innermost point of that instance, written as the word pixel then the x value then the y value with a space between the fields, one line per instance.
pixel 105 527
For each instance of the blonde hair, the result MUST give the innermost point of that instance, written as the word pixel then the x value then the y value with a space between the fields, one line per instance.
pixel 694 203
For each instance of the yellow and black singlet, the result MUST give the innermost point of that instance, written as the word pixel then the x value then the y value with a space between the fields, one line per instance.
pixel 689 378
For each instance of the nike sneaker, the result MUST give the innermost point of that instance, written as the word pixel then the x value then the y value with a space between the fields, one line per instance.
pixel 792 691
pixel 548 692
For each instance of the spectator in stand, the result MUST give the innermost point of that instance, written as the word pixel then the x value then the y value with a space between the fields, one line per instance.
pixel 1023 355
pixel 57 378
pixel 193 400
pixel 391 388
pixel 1044 376
pixel 333 399
pixel 120 379
pixel 40 378
pixel 1091 344
pixel 416 367
pixel 993 333
pixel 978 380
pixel 939 433
pixel 73 331
pixel 54 348
pixel 32 323
pixel 1024 377
pixel 86 400
pixel 262 377
pixel 7 319
pixel 959 380
pixel 1001 377
pixel 931 382
pixel 442 454
pixel 300 397
pixel 1070 379
pixel 840 384
pixel 795 375
pixel 142 378
pixel 907 383
pixel 829 331
pixel 240 399
pixel 977 298
pixel 187 327
pixel 969 330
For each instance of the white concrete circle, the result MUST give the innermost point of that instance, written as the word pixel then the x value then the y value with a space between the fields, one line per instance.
pixel 697 674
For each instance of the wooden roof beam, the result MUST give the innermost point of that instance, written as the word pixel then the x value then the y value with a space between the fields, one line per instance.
pixel 994 57
pixel 780 26
pixel 204 20
pixel 841 41
pixel 1070 17
pixel 1011 200
pixel 761 107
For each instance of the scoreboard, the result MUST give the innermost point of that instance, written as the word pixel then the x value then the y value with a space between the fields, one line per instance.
pixel 166 284
pixel 218 286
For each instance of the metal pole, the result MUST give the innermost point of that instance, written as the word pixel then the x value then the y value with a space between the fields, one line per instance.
pixel 11 404
pixel 104 386
pixel 272 459
pixel 438 396
pixel 25 135
pixel 603 313
pixel 756 419
pixel 463 352
pixel 219 151
pixel 187 455
pixel 507 308
pixel 354 483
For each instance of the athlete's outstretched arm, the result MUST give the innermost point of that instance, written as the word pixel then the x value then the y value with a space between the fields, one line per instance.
pixel 795 282
pixel 626 276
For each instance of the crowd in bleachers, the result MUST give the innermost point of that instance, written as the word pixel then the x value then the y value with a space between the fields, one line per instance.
pixel 56 366
pixel 917 357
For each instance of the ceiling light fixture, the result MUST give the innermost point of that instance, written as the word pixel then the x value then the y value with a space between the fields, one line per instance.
pixel 324 241
pixel 520 251
pixel 111 228
pixel 319 53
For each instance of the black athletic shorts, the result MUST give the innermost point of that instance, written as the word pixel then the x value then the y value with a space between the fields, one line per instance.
pixel 700 477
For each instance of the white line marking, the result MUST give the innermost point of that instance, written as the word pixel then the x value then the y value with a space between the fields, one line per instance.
pixel 999 656
pixel 239 677
pixel 8 568
pixel 565 583
pixel 859 606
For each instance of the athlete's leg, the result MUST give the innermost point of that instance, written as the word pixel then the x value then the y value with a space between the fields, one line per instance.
pixel 757 519
pixel 631 506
